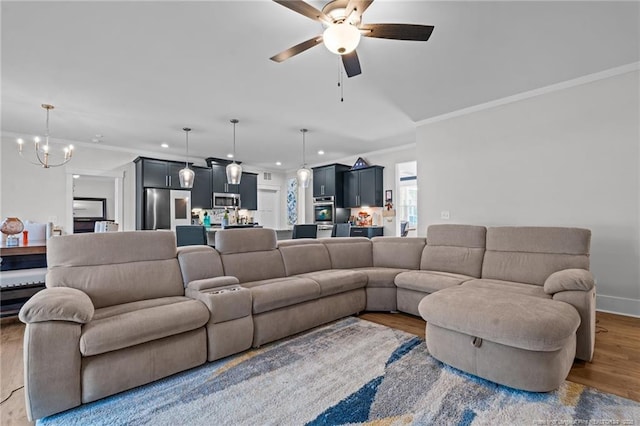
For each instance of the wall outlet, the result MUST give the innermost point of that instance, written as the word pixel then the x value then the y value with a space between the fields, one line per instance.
pixel 444 214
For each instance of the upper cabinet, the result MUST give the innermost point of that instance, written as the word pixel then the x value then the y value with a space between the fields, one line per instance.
pixel 328 182
pixel 249 191
pixel 363 187
pixel 201 193
pixel 158 173
pixel 219 181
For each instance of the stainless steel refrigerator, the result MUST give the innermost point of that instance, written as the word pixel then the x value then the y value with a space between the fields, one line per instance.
pixel 166 208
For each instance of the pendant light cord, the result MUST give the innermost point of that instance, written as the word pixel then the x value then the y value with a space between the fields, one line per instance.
pixel 47 135
pixel 186 160
pixel 304 159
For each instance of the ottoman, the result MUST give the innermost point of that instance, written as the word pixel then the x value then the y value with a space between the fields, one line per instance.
pixel 517 340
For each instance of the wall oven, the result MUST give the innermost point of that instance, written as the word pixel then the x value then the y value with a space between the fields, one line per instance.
pixel 324 210
pixel 223 200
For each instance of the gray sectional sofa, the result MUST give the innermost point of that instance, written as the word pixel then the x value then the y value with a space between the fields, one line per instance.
pixel 124 309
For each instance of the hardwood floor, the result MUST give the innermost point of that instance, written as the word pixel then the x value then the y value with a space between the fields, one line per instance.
pixel 615 367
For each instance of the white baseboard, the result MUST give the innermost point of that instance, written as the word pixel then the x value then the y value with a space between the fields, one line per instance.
pixel 618 305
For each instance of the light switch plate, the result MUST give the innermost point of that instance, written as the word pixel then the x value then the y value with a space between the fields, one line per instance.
pixel 444 214
pixel 53 219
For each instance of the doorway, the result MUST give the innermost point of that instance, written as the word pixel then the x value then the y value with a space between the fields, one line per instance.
pixel 268 212
pixel 407 204
pixel 106 185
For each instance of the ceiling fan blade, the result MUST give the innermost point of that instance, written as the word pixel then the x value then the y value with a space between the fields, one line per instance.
pixel 359 6
pixel 298 48
pixel 398 31
pixel 305 9
pixel 351 64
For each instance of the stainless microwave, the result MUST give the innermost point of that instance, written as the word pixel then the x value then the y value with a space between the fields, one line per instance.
pixel 225 201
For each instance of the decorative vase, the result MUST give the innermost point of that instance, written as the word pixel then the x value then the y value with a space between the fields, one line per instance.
pixel 10 227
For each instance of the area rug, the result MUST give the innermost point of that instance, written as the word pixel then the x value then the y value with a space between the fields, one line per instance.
pixel 348 372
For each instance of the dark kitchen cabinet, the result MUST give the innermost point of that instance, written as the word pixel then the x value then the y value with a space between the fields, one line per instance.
pixel 328 182
pixel 363 187
pixel 201 193
pixel 219 181
pixel 159 173
pixel 249 191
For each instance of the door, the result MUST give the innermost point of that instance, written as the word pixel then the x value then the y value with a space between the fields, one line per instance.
pixel 248 190
pixel 180 208
pixel 201 193
pixel 370 193
pixel 319 177
pixel 156 209
pixel 268 211
pixel 173 174
pixel 154 174
pixel 351 187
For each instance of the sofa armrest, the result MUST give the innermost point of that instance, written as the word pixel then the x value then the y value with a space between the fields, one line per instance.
pixel 569 280
pixel 58 304
pixel 209 283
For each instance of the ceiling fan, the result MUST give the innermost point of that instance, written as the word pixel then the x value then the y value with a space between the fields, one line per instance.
pixel 344 27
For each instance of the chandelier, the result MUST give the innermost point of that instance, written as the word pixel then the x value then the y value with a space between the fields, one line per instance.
pixel 43 152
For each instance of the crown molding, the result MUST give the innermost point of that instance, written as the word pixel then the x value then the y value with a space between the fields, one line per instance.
pixel 589 78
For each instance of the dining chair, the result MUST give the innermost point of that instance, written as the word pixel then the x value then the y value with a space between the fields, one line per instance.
pixel 305 231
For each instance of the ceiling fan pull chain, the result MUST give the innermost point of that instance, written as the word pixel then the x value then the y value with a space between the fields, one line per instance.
pixel 340 79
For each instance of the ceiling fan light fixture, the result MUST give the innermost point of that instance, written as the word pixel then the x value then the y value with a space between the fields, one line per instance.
pixel 341 38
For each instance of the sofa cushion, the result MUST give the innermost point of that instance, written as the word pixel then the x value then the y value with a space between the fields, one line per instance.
pixel 116 267
pixel 531 254
pixel 199 262
pixel 349 253
pixel 253 266
pixel 277 293
pixel 133 327
pixel 381 277
pixel 336 281
pixel 569 280
pixel 58 304
pixel 458 249
pixel 396 252
pixel 123 308
pixel 510 286
pixel 114 284
pixel 300 258
pixel 507 318
pixel 245 240
pixel 429 281
pixel 108 248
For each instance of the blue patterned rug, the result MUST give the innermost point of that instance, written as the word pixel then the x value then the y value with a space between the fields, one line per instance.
pixel 349 372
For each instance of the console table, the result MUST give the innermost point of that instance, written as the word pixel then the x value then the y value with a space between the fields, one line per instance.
pixel 23 269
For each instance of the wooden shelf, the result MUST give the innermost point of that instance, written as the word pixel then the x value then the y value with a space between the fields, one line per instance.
pixel 33 247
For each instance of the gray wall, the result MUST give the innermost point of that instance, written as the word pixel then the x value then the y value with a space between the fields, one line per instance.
pixel 566 158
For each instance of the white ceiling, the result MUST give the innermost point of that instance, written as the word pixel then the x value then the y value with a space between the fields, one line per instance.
pixel 137 72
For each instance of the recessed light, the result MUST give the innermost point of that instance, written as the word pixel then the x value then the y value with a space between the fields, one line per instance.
pixel 96 140
pixel 164 145
pixel 278 163
pixel 76 176
pixel 229 155
pixel 321 152
pixel 98 135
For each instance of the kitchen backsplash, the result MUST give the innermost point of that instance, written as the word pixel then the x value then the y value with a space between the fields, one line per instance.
pixel 367 216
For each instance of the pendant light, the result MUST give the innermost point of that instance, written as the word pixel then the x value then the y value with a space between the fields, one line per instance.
pixel 187 175
pixel 234 171
pixel 42 153
pixel 303 173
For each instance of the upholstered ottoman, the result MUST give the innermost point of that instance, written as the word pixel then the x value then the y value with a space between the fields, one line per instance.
pixel 517 340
